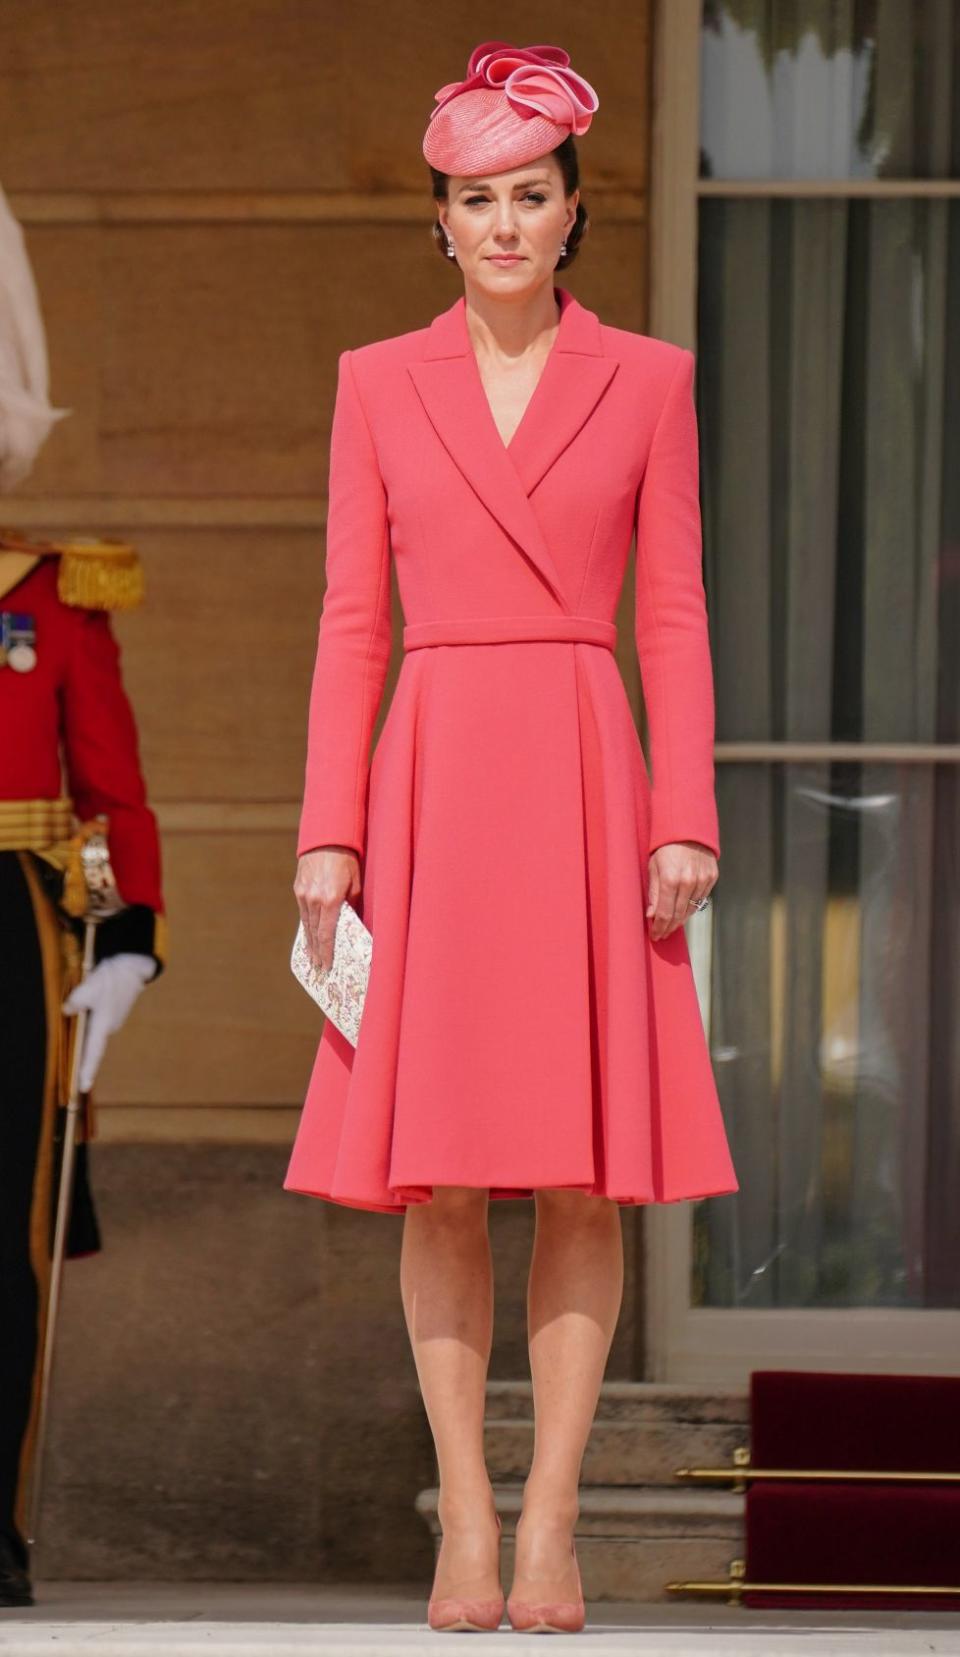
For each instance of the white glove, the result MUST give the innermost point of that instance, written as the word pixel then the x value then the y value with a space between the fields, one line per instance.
pixel 108 993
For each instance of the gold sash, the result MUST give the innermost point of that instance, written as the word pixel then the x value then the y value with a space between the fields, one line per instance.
pixel 47 828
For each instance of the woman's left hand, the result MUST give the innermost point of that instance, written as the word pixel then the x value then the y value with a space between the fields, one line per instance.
pixel 679 873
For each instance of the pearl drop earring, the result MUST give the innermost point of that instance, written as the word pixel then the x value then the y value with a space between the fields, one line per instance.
pixel 563 247
pixel 450 251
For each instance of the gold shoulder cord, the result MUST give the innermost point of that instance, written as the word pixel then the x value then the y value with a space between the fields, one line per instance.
pixel 95 573
pixel 99 575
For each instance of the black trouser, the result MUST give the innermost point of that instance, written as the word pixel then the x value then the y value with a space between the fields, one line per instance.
pixel 31 1123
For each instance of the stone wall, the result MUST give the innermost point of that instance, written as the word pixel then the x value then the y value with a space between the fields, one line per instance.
pixel 217 200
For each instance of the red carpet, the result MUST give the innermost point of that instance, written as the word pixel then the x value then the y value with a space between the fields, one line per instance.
pixel 846 1532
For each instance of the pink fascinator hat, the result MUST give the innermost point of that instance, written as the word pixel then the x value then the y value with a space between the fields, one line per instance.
pixel 516 103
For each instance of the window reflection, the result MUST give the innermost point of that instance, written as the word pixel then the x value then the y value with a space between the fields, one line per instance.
pixel 828 366
pixel 829 89
pixel 833 1038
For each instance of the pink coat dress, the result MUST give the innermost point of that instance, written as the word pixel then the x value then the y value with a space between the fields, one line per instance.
pixel 521 1028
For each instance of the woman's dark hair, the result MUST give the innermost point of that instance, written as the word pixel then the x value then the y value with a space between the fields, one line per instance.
pixel 566 154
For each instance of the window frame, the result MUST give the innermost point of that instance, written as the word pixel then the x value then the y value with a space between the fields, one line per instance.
pixel 720 1344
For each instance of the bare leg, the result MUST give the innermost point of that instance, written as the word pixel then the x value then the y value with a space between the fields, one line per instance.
pixel 573 1302
pixel 446 1280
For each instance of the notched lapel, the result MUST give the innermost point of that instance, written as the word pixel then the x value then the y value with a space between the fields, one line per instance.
pixel 453 396
pixel 568 391
pixel 574 378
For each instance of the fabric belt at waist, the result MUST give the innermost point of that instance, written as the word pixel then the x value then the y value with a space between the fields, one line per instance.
pixel 34 825
pixel 510 630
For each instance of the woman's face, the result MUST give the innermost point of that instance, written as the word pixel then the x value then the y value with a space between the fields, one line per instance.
pixel 523 213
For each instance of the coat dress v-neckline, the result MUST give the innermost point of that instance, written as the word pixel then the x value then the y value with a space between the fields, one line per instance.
pixel 531 400
pixel 574 379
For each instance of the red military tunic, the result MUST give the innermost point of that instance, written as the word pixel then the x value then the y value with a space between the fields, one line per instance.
pixel 67 726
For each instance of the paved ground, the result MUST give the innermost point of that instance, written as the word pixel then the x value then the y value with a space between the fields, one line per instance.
pixel 234 1620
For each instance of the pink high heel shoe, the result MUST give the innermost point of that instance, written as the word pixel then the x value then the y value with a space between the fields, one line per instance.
pixel 549 1617
pixel 449 1614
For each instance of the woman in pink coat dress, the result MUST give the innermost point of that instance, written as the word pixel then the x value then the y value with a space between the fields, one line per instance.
pixel 531 1026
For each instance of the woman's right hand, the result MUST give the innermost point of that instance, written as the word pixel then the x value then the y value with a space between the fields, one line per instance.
pixel 325 876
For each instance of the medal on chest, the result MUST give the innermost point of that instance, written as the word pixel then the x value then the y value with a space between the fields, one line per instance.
pixel 18 639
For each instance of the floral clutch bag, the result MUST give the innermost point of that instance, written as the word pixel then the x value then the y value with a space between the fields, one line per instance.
pixel 340 992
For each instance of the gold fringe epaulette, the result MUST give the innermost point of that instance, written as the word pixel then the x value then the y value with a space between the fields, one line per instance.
pixel 99 575
pixel 94 573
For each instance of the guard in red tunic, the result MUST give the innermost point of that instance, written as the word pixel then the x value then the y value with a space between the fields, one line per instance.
pixel 68 754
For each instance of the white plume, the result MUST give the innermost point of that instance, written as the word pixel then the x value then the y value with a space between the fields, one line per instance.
pixel 26 414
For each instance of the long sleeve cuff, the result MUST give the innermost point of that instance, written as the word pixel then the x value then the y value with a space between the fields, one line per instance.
pixel 136 930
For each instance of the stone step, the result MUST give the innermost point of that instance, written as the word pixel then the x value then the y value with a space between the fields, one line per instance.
pixel 642 1431
pixel 631 1542
pixel 637 1400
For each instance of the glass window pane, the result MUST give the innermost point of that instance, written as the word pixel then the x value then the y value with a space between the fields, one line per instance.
pixel 828 394
pixel 834 984
pixel 829 399
pixel 843 89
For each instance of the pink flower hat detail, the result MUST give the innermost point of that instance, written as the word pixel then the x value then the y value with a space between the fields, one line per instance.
pixel 515 103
